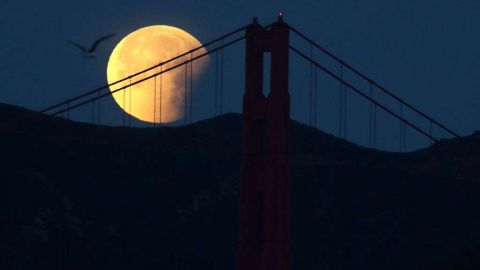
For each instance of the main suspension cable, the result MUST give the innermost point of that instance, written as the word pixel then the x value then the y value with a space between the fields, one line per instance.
pixel 363 95
pixel 381 88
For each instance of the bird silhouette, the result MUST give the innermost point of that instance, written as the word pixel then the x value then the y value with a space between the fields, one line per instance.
pixel 89 53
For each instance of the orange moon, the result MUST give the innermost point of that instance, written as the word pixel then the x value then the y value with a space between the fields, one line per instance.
pixel 159 100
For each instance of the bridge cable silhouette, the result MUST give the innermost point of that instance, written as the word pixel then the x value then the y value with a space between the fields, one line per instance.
pixel 123 114
pixel 154 100
pixel 372 120
pixel 215 92
pixel 71 107
pixel 313 93
pixel 129 91
pixel 221 77
pixel 66 106
pixel 161 90
pixel 69 104
pixel 356 90
pixel 46 110
pixel 343 110
pixel 377 85
pixel 185 95
pixel 191 88
pixel 218 85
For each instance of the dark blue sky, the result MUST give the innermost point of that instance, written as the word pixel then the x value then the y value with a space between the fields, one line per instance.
pixel 425 51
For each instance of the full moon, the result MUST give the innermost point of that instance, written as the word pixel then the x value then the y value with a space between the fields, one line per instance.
pixel 160 99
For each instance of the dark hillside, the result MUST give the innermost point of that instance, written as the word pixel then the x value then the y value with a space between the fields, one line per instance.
pixel 79 196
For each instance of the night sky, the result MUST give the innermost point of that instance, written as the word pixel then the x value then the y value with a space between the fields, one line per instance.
pixel 427 52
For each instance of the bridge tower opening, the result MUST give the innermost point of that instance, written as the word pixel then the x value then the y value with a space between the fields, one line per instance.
pixel 265 194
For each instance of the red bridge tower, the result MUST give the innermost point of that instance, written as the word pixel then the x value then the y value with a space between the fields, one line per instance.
pixel 264 207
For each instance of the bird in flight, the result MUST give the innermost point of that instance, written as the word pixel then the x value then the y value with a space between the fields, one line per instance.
pixel 89 53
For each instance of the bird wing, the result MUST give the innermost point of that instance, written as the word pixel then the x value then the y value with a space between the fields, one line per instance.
pixel 83 49
pixel 95 44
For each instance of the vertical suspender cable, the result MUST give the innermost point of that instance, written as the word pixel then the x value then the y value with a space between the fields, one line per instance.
pixel 123 107
pixel 160 105
pixel 401 128
pixel 340 124
pixel 221 78
pixel 404 135
pixel 372 120
pixel 374 125
pixel 130 104
pixel 154 100
pixel 215 96
pixel 191 88
pixel 345 116
pixel 315 92
pixel 185 94
pixel 310 100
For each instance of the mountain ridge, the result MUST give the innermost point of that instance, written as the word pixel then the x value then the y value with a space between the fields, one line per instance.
pixel 439 158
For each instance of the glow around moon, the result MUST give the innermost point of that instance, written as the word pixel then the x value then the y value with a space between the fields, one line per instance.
pixel 162 99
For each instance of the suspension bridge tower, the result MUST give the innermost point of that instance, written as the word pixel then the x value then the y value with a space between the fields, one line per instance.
pixel 264 203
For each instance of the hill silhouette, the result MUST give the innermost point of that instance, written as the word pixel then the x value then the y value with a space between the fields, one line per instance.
pixel 80 196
